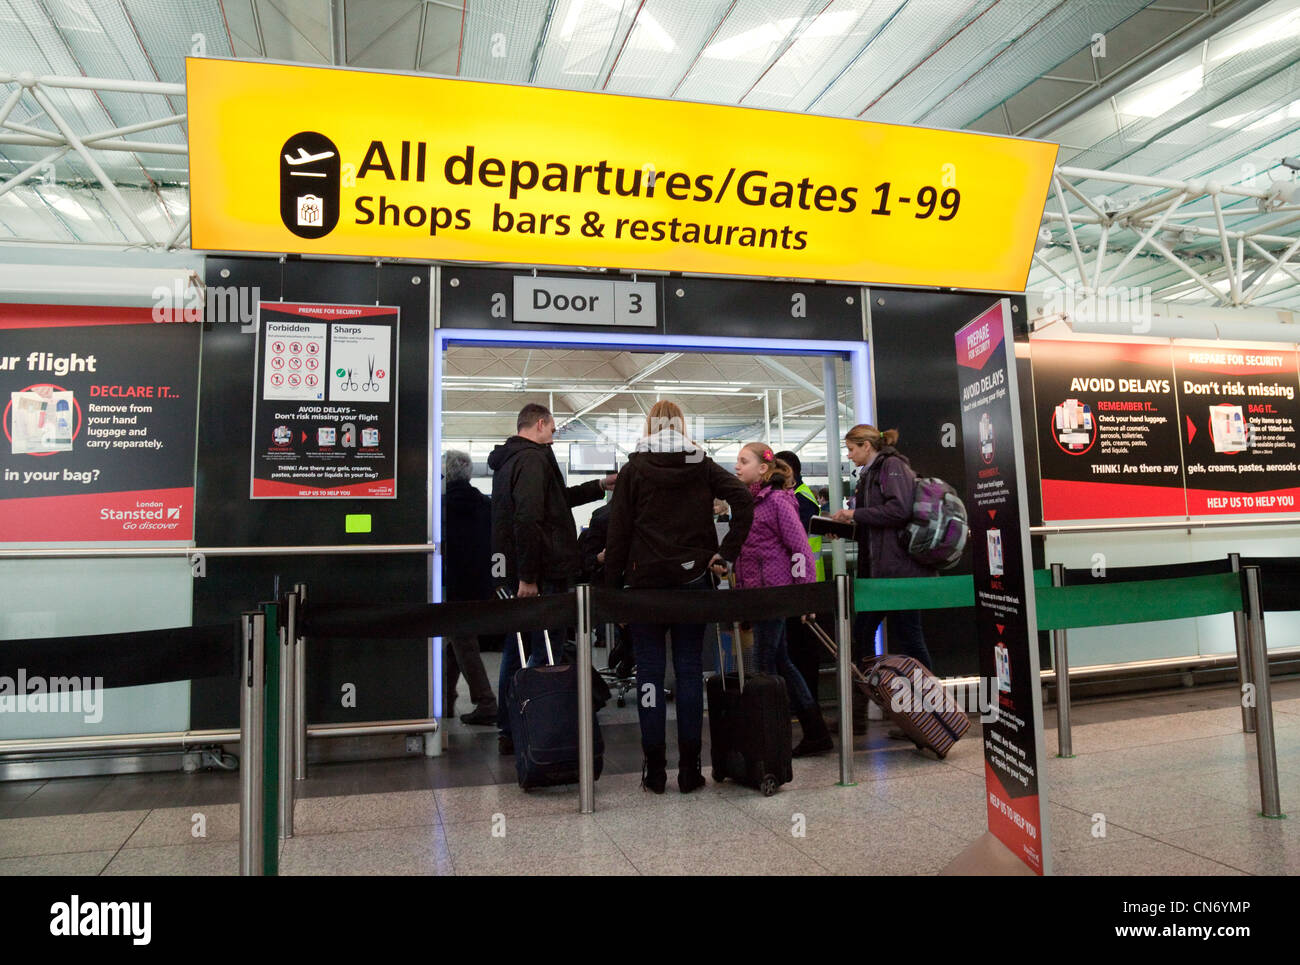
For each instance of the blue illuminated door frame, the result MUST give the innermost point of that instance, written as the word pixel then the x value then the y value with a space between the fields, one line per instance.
pixel 856 353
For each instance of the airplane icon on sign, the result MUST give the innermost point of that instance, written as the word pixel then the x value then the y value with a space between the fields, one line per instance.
pixel 305 158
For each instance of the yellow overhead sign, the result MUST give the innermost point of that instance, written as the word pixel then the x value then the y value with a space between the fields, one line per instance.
pixel 341 162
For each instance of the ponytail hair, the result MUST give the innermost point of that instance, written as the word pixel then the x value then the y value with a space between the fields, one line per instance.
pixel 861 435
pixel 776 472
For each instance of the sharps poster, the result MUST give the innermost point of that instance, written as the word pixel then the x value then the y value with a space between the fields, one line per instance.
pixel 325 402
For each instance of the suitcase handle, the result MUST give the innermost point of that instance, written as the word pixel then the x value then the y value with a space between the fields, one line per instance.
pixel 505 594
pixel 735 638
pixel 829 644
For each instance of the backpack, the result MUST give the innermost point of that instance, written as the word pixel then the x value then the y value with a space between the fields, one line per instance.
pixel 937 533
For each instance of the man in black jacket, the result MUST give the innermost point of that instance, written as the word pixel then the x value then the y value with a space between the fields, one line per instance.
pixel 534 539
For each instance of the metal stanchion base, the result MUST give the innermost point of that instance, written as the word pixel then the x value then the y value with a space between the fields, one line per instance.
pixel 986 855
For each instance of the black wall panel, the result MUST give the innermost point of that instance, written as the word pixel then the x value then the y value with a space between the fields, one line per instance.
pixel 391 677
pixel 744 309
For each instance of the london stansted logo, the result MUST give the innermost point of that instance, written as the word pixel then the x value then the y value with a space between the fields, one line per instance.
pixel 309 184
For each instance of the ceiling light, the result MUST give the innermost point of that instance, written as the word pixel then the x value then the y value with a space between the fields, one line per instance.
pixel 1279 28
pixel 1159 97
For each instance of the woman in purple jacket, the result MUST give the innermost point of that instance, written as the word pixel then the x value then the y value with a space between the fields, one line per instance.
pixel 776 553
pixel 883 508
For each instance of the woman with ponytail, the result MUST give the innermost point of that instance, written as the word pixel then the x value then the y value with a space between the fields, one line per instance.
pixel 776 553
pixel 882 509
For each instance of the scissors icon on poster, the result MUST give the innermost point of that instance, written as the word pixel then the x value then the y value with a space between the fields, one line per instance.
pixel 371 385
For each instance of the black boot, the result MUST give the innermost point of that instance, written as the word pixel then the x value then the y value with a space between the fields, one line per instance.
pixel 816 738
pixel 860 713
pixel 654 768
pixel 689 777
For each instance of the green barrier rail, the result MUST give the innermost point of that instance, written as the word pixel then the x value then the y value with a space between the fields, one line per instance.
pixel 1112 604
pixel 1066 607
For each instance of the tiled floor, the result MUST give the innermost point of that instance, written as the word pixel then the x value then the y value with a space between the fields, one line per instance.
pixel 1159 785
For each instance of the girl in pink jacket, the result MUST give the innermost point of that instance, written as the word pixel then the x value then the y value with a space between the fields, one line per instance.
pixel 776 553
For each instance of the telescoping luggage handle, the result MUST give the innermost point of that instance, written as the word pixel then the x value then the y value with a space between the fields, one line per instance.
pixel 505 594
pixel 735 640
pixel 829 644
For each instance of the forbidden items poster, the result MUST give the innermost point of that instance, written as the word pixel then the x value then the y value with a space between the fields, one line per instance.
pixel 1239 420
pixel 1006 625
pixel 1107 417
pixel 100 406
pixel 325 402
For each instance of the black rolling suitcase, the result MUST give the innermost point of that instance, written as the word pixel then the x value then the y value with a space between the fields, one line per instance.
pixel 543 710
pixel 749 726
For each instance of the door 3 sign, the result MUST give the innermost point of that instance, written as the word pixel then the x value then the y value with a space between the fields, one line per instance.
pixel 351 163
pixel 578 301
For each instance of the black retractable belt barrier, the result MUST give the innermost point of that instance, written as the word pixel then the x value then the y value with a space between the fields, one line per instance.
pixel 128 659
pixel 703 606
pixel 1137 574
pixel 399 620
pixel 1279 578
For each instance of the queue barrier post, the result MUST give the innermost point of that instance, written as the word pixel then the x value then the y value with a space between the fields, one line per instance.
pixel 1265 745
pixel 586 712
pixel 1061 663
pixel 251 710
pixel 288 714
pixel 300 694
pixel 844 674
pixel 1245 673
pixel 270 738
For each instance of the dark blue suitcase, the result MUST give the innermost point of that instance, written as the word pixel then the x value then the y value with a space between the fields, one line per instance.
pixel 543 709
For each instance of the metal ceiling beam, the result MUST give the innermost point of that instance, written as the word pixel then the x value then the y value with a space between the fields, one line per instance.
pixel 1238 254
pixel 916 66
pixel 622 46
pixel 64 140
pixel 798 380
pixel 875 35
pixel 790 40
pixel 703 47
pixel 339 33
pixel 1214 22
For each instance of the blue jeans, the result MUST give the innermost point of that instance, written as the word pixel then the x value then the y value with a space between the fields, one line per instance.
pixel 905 636
pixel 535 642
pixel 650 647
pixel 772 655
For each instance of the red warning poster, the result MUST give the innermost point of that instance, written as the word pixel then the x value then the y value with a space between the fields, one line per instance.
pixel 1239 428
pixel 1107 415
pixel 100 406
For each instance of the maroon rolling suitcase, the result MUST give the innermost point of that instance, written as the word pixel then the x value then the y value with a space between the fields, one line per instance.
pixel 916 701
pixel 911 697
